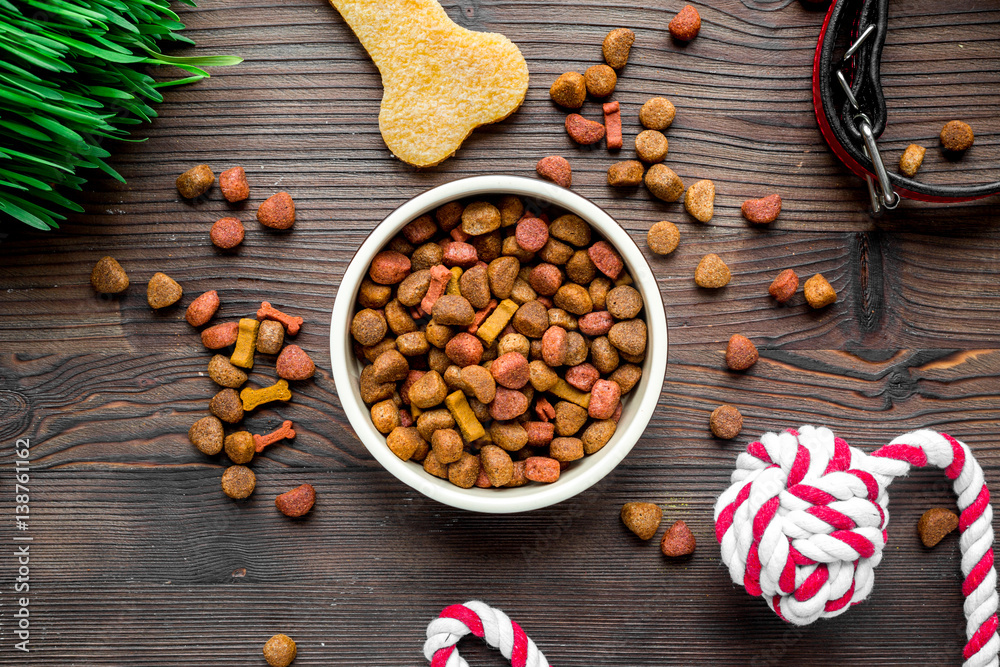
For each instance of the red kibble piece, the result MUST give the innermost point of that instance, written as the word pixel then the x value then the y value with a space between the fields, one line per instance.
pixel 544 409
pixel 583 131
pixel 220 335
pixel 203 308
pixel 420 230
pixel 291 323
pixel 762 211
pixel 583 376
pixel 277 211
pixel 227 233
pixel 464 349
pixel 606 259
pixel 294 364
pixel 784 286
pixel 284 432
pixel 686 24
pixel 233 183
pixel 597 323
pixel 541 469
pixel 510 370
pixel 460 254
pixel 481 316
pixel 556 169
pixel 540 434
pixel 531 234
pixel 613 124
pixel 604 398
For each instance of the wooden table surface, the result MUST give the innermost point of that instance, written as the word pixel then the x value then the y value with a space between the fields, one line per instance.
pixel 138 559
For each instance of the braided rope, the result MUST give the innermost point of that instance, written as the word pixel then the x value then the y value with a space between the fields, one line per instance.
pixel 803 525
pixel 486 622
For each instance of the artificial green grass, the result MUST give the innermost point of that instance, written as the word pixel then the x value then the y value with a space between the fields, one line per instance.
pixel 72 76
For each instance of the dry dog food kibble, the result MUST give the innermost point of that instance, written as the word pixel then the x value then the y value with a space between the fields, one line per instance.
pixel 616 47
pixel 784 286
pixel 226 406
pixel 699 200
pixel 202 309
pixel 677 541
pixel 254 398
pixel 207 435
pixel 279 651
pixel 956 136
pixel 911 159
pixel 294 364
pixel 613 124
pixel 233 183
pixel 741 353
pixel 712 272
pixel 583 131
pixel 246 343
pixel 819 292
pixel 238 482
pixel 651 146
pixel 663 183
pixel 239 447
pixel 224 374
pixel 625 174
pixel 277 211
pixel 220 336
pixel 762 211
pixel 657 114
pixel 108 276
pixel 686 24
pixel 195 181
pixel 270 337
pixel 556 169
pixel 296 503
pixel 600 80
pixel 643 519
pixel 663 237
pixel 524 352
pixel 163 291
pixel 227 233
pixel 726 422
pixel 935 524
pixel 569 90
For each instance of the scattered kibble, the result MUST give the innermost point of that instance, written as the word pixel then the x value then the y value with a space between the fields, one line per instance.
pixel 238 482
pixel 726 422
pixel 651 146
pixel 556 169
pixel 207 435
pixel 296 503
pixel 279 651
pixel 911 159
pixel 699 200
pixel 195 181
pixel 613 124
pixel 233 183
pixel 569 90
pixel 108 276
pixel 956 136
pixel 625 174
pixel 712 272
pixel 277 211
pixel 741 353
pixel 784 285
pixel 583 131
pixel 663 183
pixel 663 237
pixel 685 26
pixel 600 80
pixel 616 47
pixel 657 113
pixel 227 233
pixel 643 519
pixel 163 291
pixel 819 292
pixel 935 524
pixel 202 309
pixel 762 211
pixel 677 541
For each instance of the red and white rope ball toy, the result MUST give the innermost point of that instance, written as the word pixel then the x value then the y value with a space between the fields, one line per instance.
pixel 803 525
pixel 485 622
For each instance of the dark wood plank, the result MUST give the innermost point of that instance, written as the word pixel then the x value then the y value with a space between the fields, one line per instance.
pixel 140 560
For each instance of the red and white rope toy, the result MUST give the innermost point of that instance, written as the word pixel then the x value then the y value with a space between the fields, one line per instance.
pixel 804 525
pixel 482 620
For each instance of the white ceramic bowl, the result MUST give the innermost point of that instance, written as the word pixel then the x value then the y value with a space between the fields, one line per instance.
pixel 638 405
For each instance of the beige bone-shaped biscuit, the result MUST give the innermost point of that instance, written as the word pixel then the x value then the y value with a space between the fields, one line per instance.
pixel 440 80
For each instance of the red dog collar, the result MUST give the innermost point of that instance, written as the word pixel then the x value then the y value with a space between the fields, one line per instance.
pixel 851 110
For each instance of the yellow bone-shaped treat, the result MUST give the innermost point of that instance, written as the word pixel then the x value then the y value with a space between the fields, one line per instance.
pixel 568 392
pixel 453 288
pixel 253 398
pixel 495 323
pixel 464 416
pixel 440 80
pixel 246 343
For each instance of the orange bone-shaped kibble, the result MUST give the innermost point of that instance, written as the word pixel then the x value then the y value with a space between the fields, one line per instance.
pixel 253 398
pixel 284 432
pixel 291 322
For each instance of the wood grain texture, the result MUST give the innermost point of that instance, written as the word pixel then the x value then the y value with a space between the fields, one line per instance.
pixel 139 559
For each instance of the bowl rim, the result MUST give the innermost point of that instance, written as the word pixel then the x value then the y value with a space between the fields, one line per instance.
pixel 528 497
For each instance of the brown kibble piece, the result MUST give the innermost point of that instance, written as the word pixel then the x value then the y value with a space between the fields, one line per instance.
pixel 566 449
pixel 624 302
pixel 531 319
pixel 368 327
pixel 625 174
pixel 663 237
pixel 420 230
pixel 207 435
pixel 497 463
pixel 385 416
pixel 480 217
pixel 464 472
pixel 447 445
pixel 741 353
pixel 956 136
pixel 627 377
pixel 616 47
pixel 474 286
pixel 686 24
pixel 279 651
pixel 600 80
pixel 295 503
pixel 270 337
pixel 238 482
pixel 726 422
pixel 195 181
pixel 597 435
pixel 762 211
pixel 429 391
pixel 277 211
pixel 677 541
pixel 819 292
pixel 452 310
pixel 162 291
pixel 572 229
pixel 403 441
pixel 712 272
pixel 227 406
pixel 239 447
pixel 935 524
pixel 651 146
pixel 512 436
pixel 574 299
pixel 556 169
pixel 663 183
pixel 911 159
pixel 294 364
pixel 371 295
pixel 784 286
pixel 233 183
pixel 643 519
pixel 657 114
pixel 227 233
pixel 202 309
pixel 224 374
pixel 699 200
pixel 220 336
pixel 108 276
pixel 583 131
pixel 569 90
pixel 629 337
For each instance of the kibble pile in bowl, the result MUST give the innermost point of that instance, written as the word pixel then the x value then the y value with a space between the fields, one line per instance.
pixel 499 342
